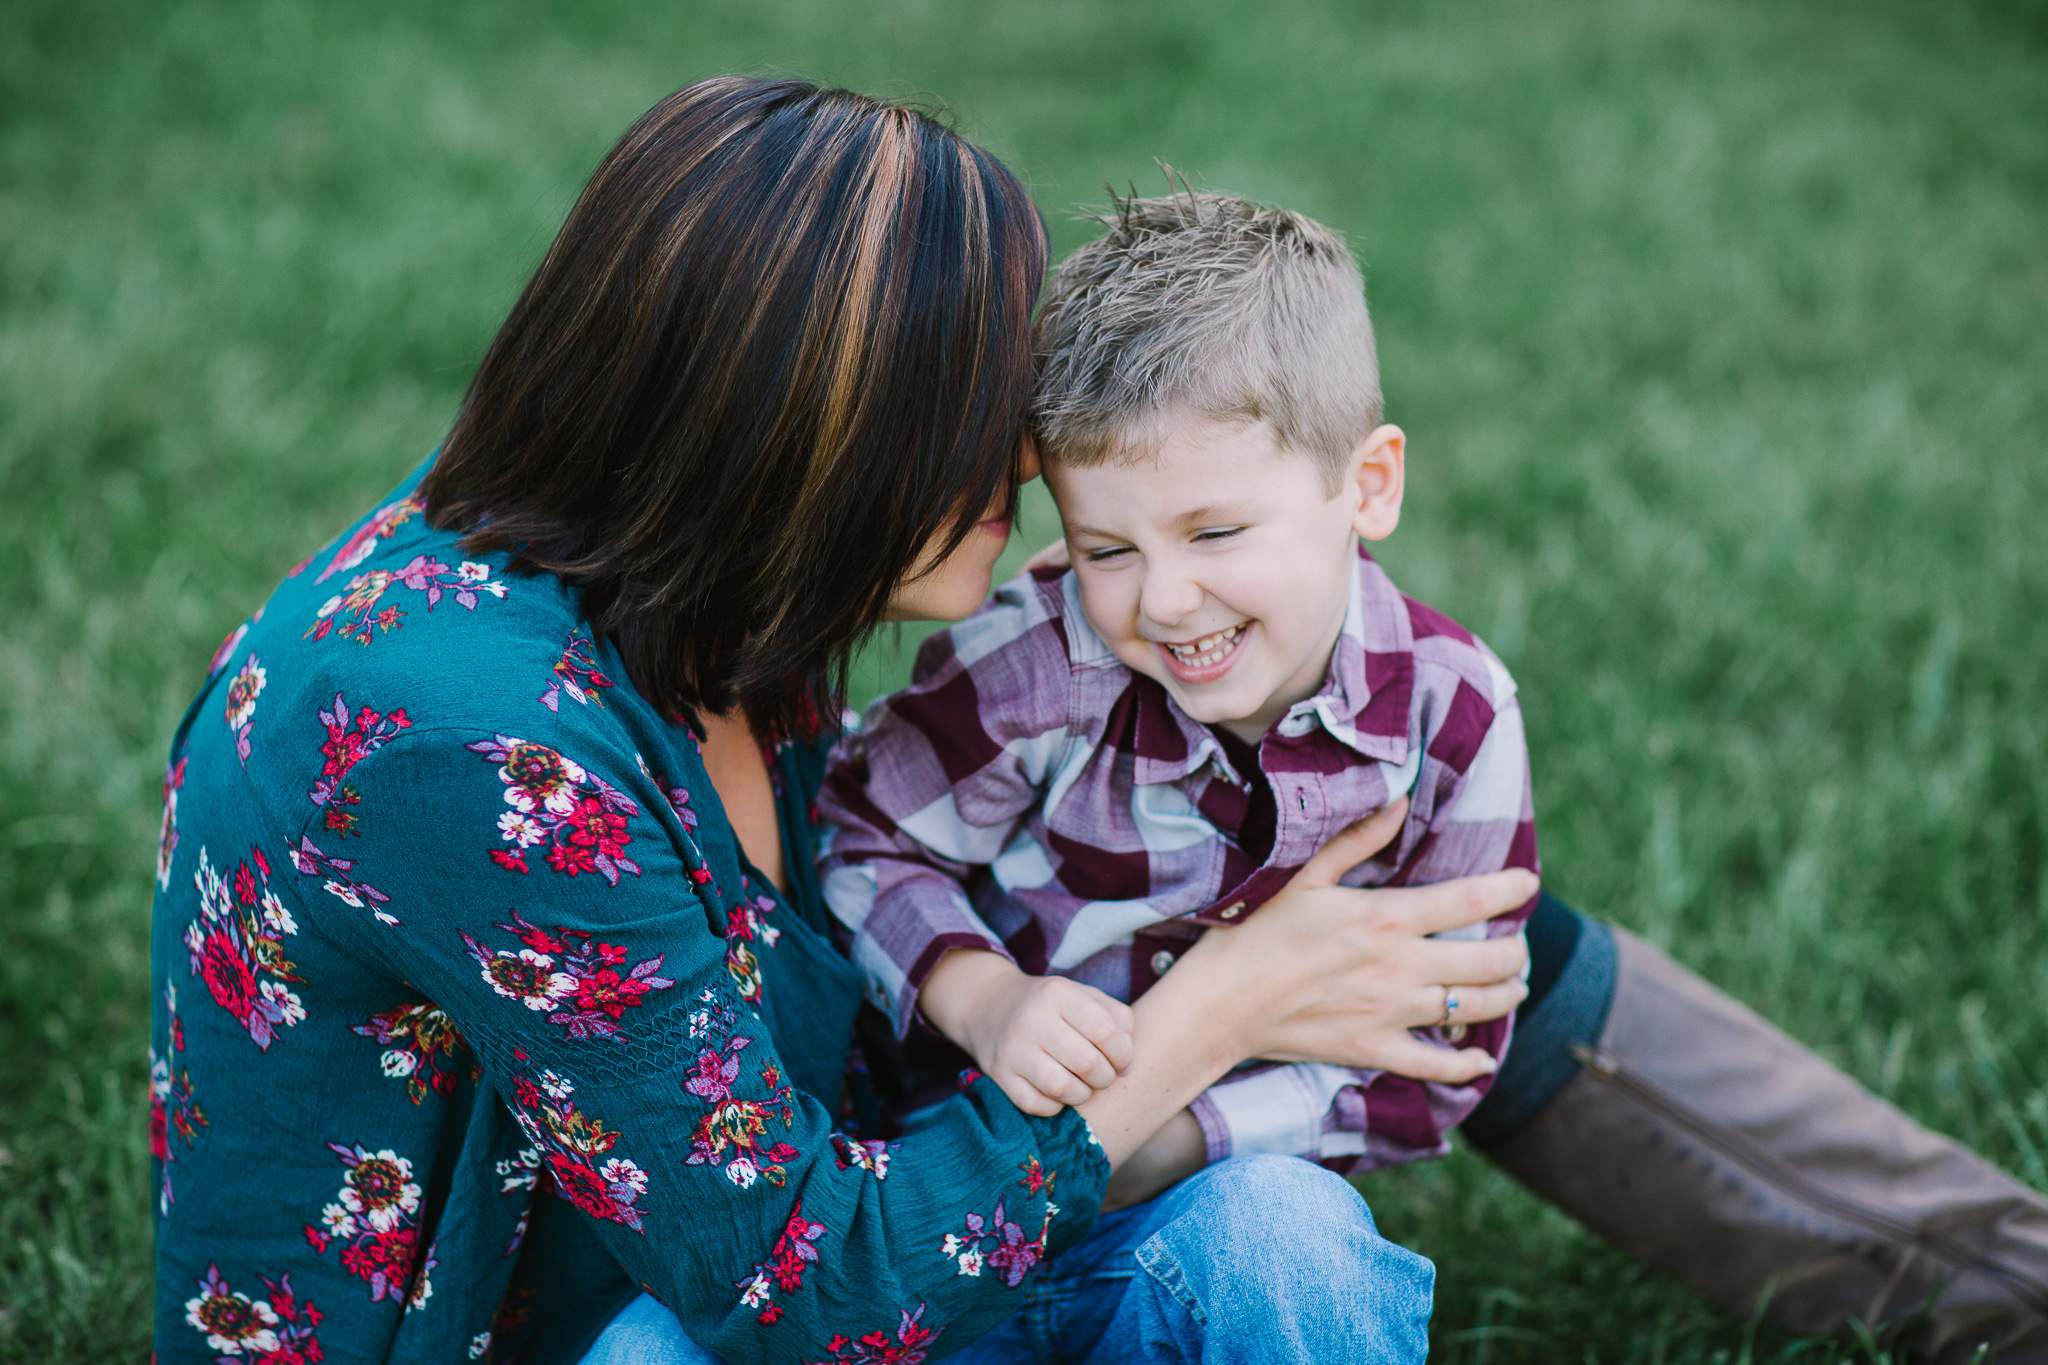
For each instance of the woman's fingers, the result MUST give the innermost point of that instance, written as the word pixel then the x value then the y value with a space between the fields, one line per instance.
pixel 1476 1004
pixel 1468 900
pixel 1353 844
pixel 1408 1055
pixel 1470 962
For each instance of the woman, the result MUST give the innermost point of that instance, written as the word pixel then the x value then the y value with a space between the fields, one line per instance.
pixel 492 985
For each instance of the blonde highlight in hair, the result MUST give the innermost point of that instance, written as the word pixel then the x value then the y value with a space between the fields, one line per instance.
pixel 1205 305
pixel 780 346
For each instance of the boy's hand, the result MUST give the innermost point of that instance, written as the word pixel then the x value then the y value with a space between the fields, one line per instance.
pixel 1047 1041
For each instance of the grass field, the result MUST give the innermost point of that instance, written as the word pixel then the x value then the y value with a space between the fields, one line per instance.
pixel 1717 328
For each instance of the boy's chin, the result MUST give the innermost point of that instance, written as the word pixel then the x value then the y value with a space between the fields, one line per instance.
pixel 1209 704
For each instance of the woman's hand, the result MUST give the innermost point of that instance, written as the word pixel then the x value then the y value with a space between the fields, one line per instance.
pixel 1342 974
pixel 1322 973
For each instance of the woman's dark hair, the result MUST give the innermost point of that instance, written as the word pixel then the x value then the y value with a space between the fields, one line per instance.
pixel 779 346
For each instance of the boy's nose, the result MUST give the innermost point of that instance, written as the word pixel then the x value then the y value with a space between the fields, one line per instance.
pixel 1169 597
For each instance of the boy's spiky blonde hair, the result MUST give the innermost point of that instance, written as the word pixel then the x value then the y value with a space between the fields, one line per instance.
pixel 1207 305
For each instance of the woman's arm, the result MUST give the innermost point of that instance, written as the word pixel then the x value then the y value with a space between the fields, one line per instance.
pixel 607 1015
pixel 1322 973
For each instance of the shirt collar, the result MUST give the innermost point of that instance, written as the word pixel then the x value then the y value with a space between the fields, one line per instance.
pixel 1362 704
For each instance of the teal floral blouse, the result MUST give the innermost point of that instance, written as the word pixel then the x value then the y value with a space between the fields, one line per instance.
pixel 471 1019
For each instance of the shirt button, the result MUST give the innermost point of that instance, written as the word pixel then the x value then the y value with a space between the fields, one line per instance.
pixel 1233 910
pixel 1161 960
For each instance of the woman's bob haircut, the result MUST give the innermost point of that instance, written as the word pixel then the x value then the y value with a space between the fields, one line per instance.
pixel 781 345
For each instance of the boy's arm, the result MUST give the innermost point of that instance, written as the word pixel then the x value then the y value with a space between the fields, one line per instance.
pixel 935 785
pixel 1048 1042
pixel 1470 813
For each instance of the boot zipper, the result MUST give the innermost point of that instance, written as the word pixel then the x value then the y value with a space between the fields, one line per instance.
pixel 1607 1069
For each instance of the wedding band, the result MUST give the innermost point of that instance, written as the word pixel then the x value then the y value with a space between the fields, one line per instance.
pixel 1450 1006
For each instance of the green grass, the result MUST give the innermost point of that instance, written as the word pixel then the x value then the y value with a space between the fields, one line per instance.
pixel 1717 329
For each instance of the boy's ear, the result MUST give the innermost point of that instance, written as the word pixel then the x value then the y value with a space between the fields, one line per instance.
pixel 1377 468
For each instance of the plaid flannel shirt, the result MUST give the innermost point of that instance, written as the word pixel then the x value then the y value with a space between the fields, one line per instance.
pixel 1029 794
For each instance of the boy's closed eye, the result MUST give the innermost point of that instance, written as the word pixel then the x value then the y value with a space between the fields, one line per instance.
pixel 1208 535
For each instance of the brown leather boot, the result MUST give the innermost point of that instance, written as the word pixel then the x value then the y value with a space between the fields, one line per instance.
pixel 1710 1146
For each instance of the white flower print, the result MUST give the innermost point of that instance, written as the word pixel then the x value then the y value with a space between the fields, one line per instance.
pixel 970 1261
pixel 243 691
pixel 379 1189
pixel 399 1063
pixel 251 1321
pixel 530 978
pixel 521 830
pixel 521 1172
pixel 742 1172
pixel 275 917
pixel 290 1011
pixel 625 1173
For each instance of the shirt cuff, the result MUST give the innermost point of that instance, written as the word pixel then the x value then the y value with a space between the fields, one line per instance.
pixel 1283 1110
pixel 1215 1133
pixel 928 958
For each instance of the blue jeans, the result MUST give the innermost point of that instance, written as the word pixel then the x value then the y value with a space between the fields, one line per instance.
pixel 1260 1260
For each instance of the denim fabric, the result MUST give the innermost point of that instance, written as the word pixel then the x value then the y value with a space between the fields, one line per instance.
pixel 1571 983
pixel 1262 1259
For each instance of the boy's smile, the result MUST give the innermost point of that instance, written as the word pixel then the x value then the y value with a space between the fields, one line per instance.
pixel 1221 566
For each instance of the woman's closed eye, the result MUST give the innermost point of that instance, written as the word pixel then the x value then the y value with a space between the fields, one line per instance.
pixel 1212 534
pixel 1106 553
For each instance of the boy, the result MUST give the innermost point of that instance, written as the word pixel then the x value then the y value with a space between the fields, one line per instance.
pixel 1104 761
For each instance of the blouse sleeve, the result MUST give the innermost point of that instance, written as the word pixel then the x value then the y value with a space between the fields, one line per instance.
pixel 545 899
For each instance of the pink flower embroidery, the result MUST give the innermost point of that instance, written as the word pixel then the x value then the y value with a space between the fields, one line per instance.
pixel 355 614
pixel 576 674
pixel 277 1330
pixel 558 805
pixel 236 945
pixel 350 739
pixel 906 1347
pixel 359 546
pixel 582 984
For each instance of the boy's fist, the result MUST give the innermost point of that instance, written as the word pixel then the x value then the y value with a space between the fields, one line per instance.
pixel 1047 1041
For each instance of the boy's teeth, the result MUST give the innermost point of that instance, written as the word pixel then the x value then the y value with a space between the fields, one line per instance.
pixel 1207 650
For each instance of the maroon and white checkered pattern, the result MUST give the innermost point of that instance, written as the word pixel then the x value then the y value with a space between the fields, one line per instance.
pixel 1030 794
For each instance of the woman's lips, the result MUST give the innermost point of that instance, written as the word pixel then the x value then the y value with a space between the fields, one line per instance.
pixel 1208 658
